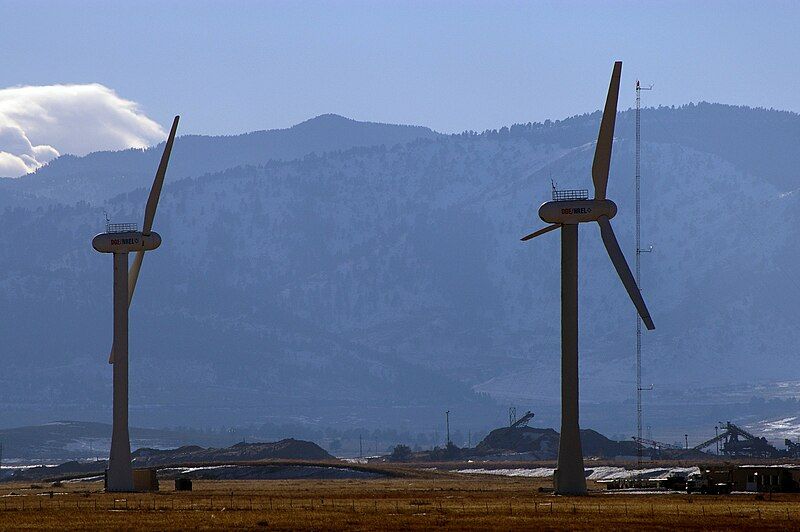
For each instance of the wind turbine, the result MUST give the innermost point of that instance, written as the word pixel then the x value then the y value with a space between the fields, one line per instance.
pixel 121 239
pixel 568 209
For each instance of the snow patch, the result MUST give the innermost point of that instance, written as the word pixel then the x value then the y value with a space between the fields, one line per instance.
pixel 595 473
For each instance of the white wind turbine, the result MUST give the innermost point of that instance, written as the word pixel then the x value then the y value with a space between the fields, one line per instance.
pixel 566 211
pixel 121 239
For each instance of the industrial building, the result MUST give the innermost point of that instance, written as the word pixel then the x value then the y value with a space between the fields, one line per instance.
pixel 754 478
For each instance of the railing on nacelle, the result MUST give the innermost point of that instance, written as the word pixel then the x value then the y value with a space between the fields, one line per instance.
pixel 570 195
pixel 121 228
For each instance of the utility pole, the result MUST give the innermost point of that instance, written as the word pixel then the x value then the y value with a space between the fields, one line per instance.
pixel 686 439
pixel 447 418
pixel 360 447
pixel 639 252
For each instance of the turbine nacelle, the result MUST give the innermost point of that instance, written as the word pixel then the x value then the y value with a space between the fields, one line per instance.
pixel 577 211
pixel 127 242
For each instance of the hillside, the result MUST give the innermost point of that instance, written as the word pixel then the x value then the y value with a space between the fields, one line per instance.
pixel 383 282
pixel 286 449
pixel 98 176
pixel 60 440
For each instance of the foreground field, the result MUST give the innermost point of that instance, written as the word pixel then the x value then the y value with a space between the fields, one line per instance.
pixel 446 501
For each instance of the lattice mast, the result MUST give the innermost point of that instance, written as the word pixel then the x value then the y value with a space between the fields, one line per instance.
pixel 639 251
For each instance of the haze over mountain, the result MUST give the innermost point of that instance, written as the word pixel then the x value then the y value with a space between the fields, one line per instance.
pixel 341 271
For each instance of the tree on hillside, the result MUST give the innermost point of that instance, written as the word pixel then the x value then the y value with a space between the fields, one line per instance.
pixel 401 453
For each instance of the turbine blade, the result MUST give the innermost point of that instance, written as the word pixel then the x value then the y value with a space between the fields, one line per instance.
pixel 133 274
pixel 155 191
pixel 605 138
pixel 624 272
pixel 540 232
pixel 149 215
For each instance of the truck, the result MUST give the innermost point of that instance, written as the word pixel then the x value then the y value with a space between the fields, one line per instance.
pixel 713 481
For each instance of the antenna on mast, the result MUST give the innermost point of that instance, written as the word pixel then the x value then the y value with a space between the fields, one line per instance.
pixel 639 252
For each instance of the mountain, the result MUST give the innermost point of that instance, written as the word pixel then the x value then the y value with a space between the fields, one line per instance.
pixel 387 282
pixel 98 176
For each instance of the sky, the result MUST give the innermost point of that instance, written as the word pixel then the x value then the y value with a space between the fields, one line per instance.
pixel 232 66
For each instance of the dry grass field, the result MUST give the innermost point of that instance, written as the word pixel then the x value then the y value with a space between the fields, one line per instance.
pixel 445 501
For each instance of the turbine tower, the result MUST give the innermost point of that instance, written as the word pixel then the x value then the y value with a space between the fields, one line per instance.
pixel 568 209
pixel 121 239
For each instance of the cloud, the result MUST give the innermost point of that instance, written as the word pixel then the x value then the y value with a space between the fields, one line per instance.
pixel 39 123
pixel 17 155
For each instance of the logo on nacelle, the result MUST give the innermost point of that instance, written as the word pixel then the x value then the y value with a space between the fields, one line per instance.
pixel 578 210
pixel 124 241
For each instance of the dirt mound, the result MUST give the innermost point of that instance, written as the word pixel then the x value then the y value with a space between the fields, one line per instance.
pixel 288 449
pixel 595 444
pixel 543 443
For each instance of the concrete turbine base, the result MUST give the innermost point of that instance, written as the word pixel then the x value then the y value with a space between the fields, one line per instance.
pixel 569 478
pixel 119 476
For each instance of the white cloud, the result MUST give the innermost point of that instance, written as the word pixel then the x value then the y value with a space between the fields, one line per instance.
pixel 39 123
